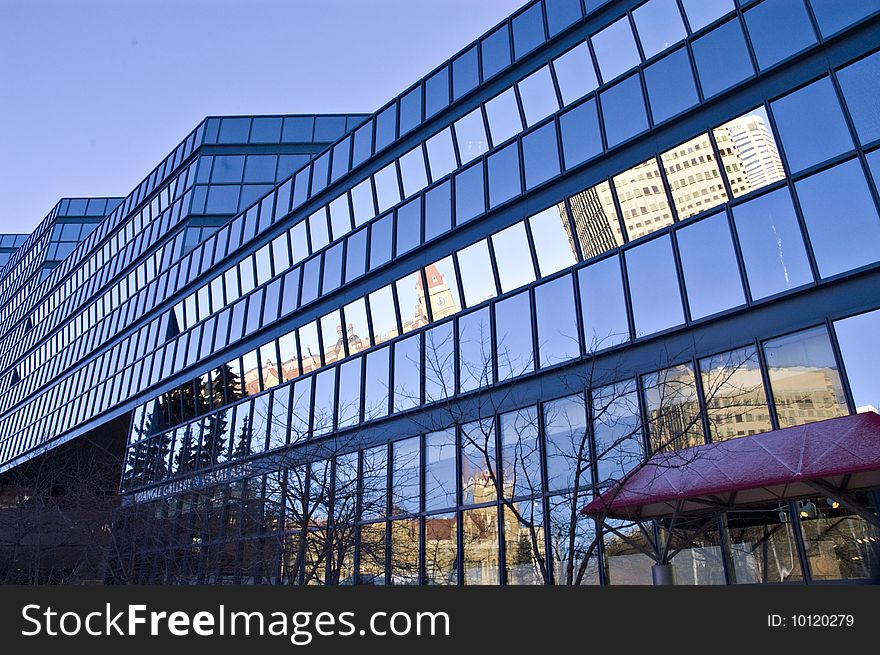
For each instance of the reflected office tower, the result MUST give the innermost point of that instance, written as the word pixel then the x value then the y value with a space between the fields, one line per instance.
pixel 439 295
pixel 749 153
pixel 595 220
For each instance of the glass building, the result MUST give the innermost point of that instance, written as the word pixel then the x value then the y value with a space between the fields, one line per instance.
pixel 409 347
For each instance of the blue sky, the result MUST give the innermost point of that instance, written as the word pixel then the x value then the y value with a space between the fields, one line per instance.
pixel 96 92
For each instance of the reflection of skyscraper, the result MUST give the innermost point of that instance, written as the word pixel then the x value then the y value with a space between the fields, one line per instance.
pixel 595 220
pixel 749 153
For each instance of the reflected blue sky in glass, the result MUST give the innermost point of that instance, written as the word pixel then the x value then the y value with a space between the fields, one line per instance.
pixel 857 337
pixel 778 30
pixel 623 110
pixel 860 83
pixel 653 287
pixel 502 112
pixel 722 58
pixel 575 73
pixel 671 86
pixel 581 136
pixel 615 48
pixel 659 25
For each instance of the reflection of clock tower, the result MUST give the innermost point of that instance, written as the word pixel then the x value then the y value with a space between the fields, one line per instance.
pixel 442 301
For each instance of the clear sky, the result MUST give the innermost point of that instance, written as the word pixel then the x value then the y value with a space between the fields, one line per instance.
pixel 96 92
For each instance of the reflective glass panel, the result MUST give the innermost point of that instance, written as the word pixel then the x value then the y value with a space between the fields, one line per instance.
pixel 376 384
pixel 340 216
pixel 673 409
pixel 438 210
pixel 357 331
pixel 475 364
pixel 671 87
pixel 575 73
pixel 469 194
pixel 504 179
pixel 513 336
pixel 520 453
pixel 659 25
pixel 615 49
pixel 383 315
pixel 528 30
pixel 477 278
pixel 356 255
pixel 439 362
pixel 440 456
pixel 441 549
pixel 603 304
pixel 538 96
pixel 441 154
pixel 480 542
pixel 857 337
pixel 567 443
pixel 557 323
pixel 702 12
pixel 325 401
pixel 540 155
pixel 478 463
pixel 693 176
pixel 595 220
pixel 442 288
pixel 772 44
pixel 412 170
pixel 387 187
pixel 407 373
pixel 581 136
pixel 405 477
pixel 470 133
pixel 833 15
pixel 362 202
pixel 554 242
pixel 642 198
pixel 411 301
pixel 733 392
pixel 617 430
pixel 653 287
pixel 495 50
pixel 860 83
pixel 409 226
pixel 623 110
pixel 380 240
pixel 318 230
pixel 465 73
pixel 722 58
pixel 503 114
pixel 749 152
pixel 513 257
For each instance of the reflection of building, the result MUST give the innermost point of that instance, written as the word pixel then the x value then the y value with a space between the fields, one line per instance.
pixel 439 295
pixel 595 220
pixel 749 153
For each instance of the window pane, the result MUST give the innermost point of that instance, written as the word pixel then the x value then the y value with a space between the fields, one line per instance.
pixel 557 324
pixel 478 463
pixel 325 401
pixel 749 152
pixel 480 540
pixel 772 245
pixel 801 115
pixel 623 110
pixel 387 187
pixel 653 287
pixel 376 384
pixel 860 83
pixel 407 373
pixel 538 96
pixel 642 199
pixel 495 51
pixel 436 92
pixel 405 478
pixel 504 179
pixel 733 389
pixel 469 194
pixel 595 220
pixel 332 269
pixel 603 304
pixel 856 337
pixel 442 288
pixel 673 409
pixel 412 170
pixel 409 226
pixel 772 44
pixel 357 331
pixel 475 350
pixel 470 133
pixel 465 73
pixel 331 336
pixel 762 545
pixel 671 87
pixel 374 485
pixel 441 549
pixel 349 410
pixel 503 114
pixel 410 110
pixel 356 255
pixel 440 455
pixel 439 362
pixel 567 443
pixel 561 14
pixel 616 430
pixel 804 378
pixel 441 154
pixel 708 262
pixel 833 15
pixel 513 257
pixel 362 201
pixel 411 301
pixel 520 453
pixel 615 49
pixel 702 12
pixel 659 25
pixel 841 218
pixel 528 30
pixel 554 243
pixel 575 73
pixel 722 58
pixel 438 210
pixel 477 278
pixel 383 315
pixel 693 176
pixel 513 336
pixel 380 241
pixel 581 137
pixel 540 155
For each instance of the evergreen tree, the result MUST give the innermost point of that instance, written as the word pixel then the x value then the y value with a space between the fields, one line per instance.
pixel 186 455
pixel 243 446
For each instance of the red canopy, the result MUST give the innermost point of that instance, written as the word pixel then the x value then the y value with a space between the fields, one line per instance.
pixel 841 454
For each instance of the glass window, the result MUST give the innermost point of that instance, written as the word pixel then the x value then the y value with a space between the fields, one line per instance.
pixel 581 137
pixel 442 288
pixel 860 83
pixel 299 241
pixel 702 12
pixel 301 410
pixel 561 14
pixel 671 86
pixel 495 51
pixel 567 444
pixel 309 347
pixel 653 287
pixel 260 168
pixel 809 111
pixel 380 240
pixel 386 125
pixel 318 229
pixel 465 73
pixel 575 73
pixel 228 168
pixel 440 456
pixel 520 453
pixel 408 226
pixel 319 173
pixel 603 304
pixel 513 336
pixel 708 262
pixel 363 144
pixel 557 323
pixel 722 58
pixel 642 199
pixel 341 155
pixel 749 152
pixel 438 210
pixel 410 110
pixel 504 180
pixel 288 357
pixel 615 49
pixel 857 336
pixel 480 545
pixel 356 255
pixel 470 134
pixel 502 112
pixel 841 218
pixel 475 350
pixel 595 220
pixel 222 199
pixel 332 269
pixel 340 216
pixel 311 280
pixel 762 545
pixel 325 401
pixel 412 171
pixel 733 391
pixel 623 110
pixel 540 155
pixel 405 478
pixel 383 315
pixel 362 202
pixel 538 96
pixel 513 257
pixel 441 549
pixel 833 15
pixel 554 243
pixel 772 245
pixel 266 130
pixel 469 194
pixel 804 378
pixel 616 430
pixel 478 459
pixel 439 362
pixel 673 409
pixel 441 154
pixel 387 187
pixel 411 301
pixel 477 278
pixel 528 30
pixel 376 383
pixel 772 44
pixel 356 329
pixel 659 25
pixel 407 373
pixel 374 485
pixel 331 336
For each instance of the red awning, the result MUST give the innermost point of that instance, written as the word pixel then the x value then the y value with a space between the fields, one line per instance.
pixel 841 454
